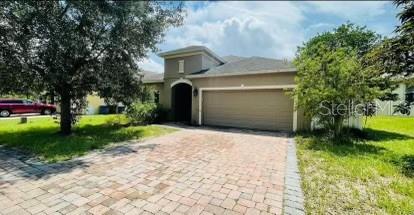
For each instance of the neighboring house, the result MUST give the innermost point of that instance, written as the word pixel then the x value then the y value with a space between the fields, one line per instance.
pixel 202 88
pixel 404 92
pixel 94 102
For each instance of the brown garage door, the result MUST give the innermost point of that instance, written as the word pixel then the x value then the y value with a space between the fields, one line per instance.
pixel 257 109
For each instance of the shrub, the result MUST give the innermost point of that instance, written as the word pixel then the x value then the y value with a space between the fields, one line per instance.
pixel 403 108
pixel 333 79
pixel 145 113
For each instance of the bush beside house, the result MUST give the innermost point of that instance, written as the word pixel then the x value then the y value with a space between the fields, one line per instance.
pixel 145 113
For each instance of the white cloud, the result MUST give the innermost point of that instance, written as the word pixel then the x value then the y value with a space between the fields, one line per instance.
pixel 268 29
pixel 151 65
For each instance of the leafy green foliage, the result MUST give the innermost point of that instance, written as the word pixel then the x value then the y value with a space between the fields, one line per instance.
pixel 75 48
pixel 350 37
pixel 328 83
pixel 403 108
pixel 147 94
pixel 395 56
pixel 144 113
pixel 332 79
pixel 406 16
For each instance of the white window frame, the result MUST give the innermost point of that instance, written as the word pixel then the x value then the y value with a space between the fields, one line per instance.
pixel 181 66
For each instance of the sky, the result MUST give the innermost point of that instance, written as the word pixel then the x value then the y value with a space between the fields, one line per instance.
pixel 268 29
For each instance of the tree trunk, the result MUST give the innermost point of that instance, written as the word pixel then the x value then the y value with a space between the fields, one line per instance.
pixel 65 115
pixel 338 124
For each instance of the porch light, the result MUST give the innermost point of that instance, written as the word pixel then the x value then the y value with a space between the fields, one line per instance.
pixel 195 92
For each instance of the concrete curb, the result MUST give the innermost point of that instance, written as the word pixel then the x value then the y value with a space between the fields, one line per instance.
pixel 293 199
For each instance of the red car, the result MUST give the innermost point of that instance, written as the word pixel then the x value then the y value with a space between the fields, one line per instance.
pixel 18 106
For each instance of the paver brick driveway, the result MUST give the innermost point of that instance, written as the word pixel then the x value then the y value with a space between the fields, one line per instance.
pixel 192 171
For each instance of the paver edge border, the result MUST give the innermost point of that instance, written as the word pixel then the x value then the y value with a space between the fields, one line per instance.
pixel 293 198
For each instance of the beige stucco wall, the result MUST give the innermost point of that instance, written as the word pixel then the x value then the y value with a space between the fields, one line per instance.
pixel 191 64
pixel 194 63
pixel 198 62
pixel 231 81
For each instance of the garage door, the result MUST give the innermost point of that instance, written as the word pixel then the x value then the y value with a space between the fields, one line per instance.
pixel 257 109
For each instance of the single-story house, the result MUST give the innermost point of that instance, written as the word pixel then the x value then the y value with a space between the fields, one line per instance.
pixel 202 88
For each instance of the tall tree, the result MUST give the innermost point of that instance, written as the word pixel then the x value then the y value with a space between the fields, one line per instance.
pixel 74 48
pixel 395 56
pixel 364 42
pixel 332 79
pixel 403 44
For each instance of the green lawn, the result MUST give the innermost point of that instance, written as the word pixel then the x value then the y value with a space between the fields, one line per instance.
pixel 370 176
pixel 39 136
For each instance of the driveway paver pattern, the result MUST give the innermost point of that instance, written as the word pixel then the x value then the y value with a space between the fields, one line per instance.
pixel 191 171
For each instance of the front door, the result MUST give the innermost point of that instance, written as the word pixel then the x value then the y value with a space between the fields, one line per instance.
pixel 181 102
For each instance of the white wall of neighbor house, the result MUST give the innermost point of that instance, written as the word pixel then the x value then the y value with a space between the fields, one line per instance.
pixel 355 122
pixel 386 108
pixel 352 122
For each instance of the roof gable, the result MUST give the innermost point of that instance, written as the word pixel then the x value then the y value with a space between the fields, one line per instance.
pixel 190 50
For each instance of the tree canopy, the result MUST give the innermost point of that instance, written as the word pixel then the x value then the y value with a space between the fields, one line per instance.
pixel 395 56
pixel 74 48
pixel 333 82
pixel 348 36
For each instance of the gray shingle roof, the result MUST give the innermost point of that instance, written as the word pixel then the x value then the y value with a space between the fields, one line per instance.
pixel 232 58
pixel 152 77
pixel 240 65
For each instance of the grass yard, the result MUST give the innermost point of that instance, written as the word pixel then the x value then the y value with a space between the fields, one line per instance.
pixel 370 176
pixel 39 136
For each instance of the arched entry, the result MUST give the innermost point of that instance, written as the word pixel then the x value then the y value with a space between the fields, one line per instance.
pixel 181 102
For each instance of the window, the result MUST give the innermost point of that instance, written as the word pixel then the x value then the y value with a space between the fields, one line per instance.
pixel 28 102
pixel 157 97
pixel 181 66
pixel 409 96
